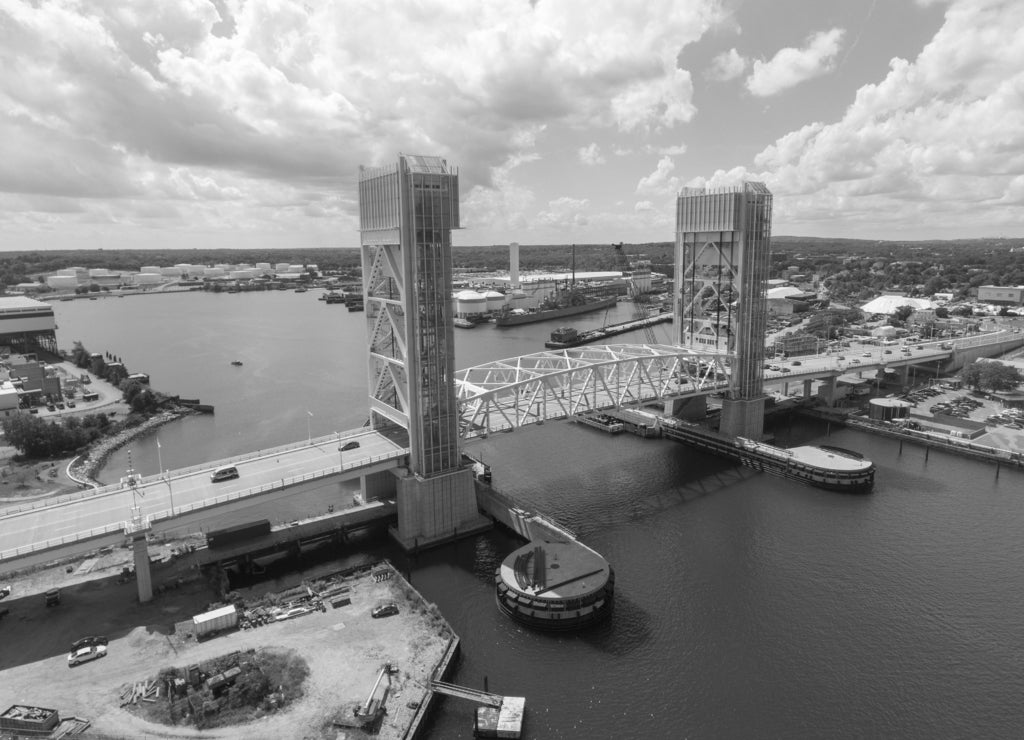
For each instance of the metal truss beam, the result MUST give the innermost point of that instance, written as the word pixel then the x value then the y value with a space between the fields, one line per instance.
pixel 506 394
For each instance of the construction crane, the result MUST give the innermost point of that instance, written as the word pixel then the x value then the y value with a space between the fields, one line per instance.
pixel 635 293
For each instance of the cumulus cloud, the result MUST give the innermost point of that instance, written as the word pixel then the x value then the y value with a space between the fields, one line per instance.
pixel 565 212
pixel 591 155
pixel 937 144
pixel 661 181
pixel 270 99
pixel 726 66
pixel 789 67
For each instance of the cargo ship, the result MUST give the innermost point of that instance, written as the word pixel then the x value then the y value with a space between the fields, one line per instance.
pixel 572 303
pixel 831 468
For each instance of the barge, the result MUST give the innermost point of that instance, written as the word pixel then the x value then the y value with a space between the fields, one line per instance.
pixel 566 336
pixel 830 468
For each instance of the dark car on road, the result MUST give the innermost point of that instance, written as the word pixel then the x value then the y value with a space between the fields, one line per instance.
pixel 349 446
pixel 88 642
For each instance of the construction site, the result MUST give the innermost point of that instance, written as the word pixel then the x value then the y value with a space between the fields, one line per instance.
pixel 351 653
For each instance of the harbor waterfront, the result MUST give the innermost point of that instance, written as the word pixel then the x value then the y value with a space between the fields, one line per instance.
pixel 745 604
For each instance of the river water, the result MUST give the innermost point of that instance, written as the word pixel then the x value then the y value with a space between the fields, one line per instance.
pixel 746 606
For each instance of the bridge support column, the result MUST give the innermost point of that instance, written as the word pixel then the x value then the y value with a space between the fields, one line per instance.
pixel 807 388
pixel 905 376
pixel 827 391
pixel 743 417
pixel 694 407
pixel 376 486
pixel 143 577
pixel 435 510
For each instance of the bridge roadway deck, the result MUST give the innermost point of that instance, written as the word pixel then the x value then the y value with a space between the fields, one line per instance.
pixel 95 518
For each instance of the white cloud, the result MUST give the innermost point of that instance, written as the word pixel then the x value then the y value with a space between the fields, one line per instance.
pixel 564 213
pixel 643 205
pixel 937 145
pixel 661 181
pixel 282 98
pixel 726 66
pixel 789 67
pixel 591 155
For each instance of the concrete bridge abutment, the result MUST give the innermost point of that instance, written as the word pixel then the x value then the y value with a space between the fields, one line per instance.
pixel 435 510
pixel 743 417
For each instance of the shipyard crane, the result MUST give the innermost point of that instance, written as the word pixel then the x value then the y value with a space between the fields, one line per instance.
pixel 639 312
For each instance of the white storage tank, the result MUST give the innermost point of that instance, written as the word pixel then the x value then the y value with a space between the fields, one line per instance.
pixel 495 300
pixel 469 302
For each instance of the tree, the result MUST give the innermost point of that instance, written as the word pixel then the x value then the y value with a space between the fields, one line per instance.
pixel 902 313
pixel 942 312
pixel 994 376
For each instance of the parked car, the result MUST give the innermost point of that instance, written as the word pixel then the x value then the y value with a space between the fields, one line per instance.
pixel 384 610
pixel 84 655
pixel 5 591
pixel 71 404
pixel 50 407
pixel 88 642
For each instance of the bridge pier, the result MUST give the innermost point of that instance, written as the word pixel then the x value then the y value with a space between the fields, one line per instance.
pixel 694 407
pixel 435 510
pixel 827 391
pixel 743 417
pixel 143 575
pixel 377 486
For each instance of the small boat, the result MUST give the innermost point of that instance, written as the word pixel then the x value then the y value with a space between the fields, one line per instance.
pixel 463 323
pixel 300 290
pixel 236 363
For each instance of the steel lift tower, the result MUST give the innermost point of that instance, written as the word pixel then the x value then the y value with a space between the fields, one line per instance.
pixel 406 215
pixel 723 245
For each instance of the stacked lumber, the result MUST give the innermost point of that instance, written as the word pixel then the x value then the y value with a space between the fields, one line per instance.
pixel 147 690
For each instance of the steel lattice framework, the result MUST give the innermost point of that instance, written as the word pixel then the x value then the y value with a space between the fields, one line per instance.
pixel 506 394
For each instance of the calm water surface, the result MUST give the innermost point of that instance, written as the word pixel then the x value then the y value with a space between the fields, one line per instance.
pixel 746 606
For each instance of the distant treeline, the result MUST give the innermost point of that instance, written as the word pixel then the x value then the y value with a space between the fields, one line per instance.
pixel 957 265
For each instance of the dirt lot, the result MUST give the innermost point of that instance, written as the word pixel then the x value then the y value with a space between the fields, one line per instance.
pixel 344 648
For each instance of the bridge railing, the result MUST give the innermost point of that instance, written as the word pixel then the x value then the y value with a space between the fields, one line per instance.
pixel 283 483
pixel 177 473
pixel 194 506
pixel 65 540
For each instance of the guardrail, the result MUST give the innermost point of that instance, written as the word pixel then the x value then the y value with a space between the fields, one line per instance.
pixel 283 483
pixel 58 541
pixel 179 473
pixel 205 503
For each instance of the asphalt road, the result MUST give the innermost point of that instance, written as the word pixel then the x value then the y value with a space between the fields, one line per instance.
pixel 185 488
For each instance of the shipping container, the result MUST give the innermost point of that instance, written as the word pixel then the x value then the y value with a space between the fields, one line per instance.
pixel 214 621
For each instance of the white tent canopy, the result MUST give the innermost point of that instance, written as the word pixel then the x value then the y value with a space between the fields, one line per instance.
pixel 887 304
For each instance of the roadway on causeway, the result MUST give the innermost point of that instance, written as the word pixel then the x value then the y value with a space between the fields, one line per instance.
pixel 186 488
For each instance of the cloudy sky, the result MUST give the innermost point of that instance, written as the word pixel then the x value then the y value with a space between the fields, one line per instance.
pixel 242 123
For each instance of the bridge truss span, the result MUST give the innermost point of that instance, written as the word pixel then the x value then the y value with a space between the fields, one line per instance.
pixel 556 384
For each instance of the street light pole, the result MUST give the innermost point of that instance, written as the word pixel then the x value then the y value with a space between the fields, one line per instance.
pixel 163 475
pixel 309 432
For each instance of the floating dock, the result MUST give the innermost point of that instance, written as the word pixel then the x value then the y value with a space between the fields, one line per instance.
pixel 499 716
